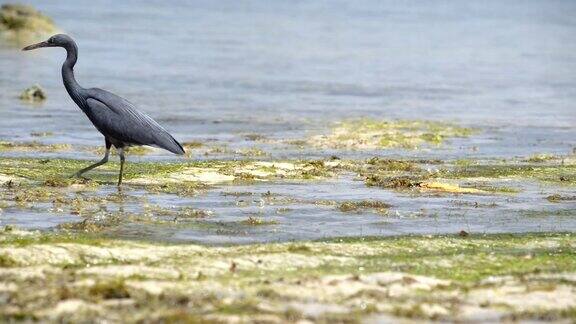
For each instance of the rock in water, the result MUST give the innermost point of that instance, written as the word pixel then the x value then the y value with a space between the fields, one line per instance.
pixel 22 24
pixel 34 94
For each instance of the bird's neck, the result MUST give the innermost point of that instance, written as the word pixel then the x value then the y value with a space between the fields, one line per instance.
pixel 70 82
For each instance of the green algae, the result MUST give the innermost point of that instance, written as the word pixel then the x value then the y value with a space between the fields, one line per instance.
pixel 27 194
pixel 185 189
pixel 381 164
pixel 97 222
pixel 57 172
pixel 251 152
pixel 37 178
pixel 347 279
pixel 373 134
pixel 486 177
pixel 131 150
pixel 112 289
pixel 33 146
pixel 560 198
pixel 253 220
pixel 564 174
pixel 33 94
pixel 192 144
pixel 388 173
pixel 138 150
pixel 98 219
pixel 409 277
pixel 22 23
pixel 496 188
pixel 45 184
pixel 394 182
pixel 465 162
pixel 177 214
pixel 190 178
pixel 476 256
pixel 540 158
pixel 545 316
pixel 379 207
pixel 191 147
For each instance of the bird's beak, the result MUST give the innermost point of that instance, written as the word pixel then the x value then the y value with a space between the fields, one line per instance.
pixel 37 45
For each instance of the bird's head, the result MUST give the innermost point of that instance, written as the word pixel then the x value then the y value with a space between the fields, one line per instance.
pixel 59 40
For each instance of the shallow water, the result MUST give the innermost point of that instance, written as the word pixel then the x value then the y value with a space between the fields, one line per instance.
pixel 215 71
pixel 212 70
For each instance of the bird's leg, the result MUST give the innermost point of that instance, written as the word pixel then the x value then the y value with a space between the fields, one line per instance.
pixel 122 159
pixel 97 164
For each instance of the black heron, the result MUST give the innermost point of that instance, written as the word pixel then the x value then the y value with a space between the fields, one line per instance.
pixel 115 117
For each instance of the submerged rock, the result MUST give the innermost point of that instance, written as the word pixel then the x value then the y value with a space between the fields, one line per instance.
pixel 22 24
pixel 33 94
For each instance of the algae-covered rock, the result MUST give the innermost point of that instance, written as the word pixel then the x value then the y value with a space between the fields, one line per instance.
pixel 358 206
pixel 5 179
pixel 449 187
pixel 375 134
pixel 33 147
pixel 477 278
pixel 33 94
pixel 22 24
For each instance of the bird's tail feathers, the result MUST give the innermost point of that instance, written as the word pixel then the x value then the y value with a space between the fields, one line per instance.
pixel 172 145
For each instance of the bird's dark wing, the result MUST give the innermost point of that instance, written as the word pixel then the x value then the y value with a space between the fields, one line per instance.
pixel 117 118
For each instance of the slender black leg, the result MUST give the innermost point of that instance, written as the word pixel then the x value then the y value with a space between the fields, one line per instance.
pixel 97 164
pixel 122 159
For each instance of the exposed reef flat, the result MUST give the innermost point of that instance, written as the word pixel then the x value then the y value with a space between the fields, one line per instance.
pixel 21 24
pixel 54 277
pixel 159 249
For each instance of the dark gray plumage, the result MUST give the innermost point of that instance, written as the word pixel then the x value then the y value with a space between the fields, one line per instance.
pixel 115 117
